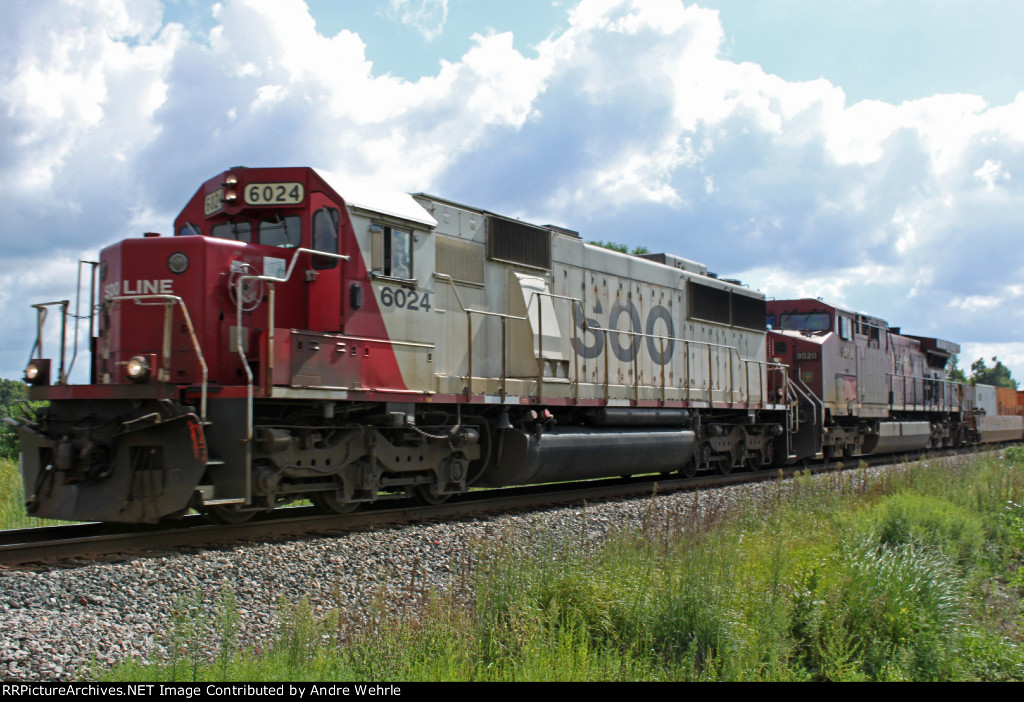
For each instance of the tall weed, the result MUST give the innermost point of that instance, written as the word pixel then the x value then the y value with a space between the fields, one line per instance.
pixel 931 522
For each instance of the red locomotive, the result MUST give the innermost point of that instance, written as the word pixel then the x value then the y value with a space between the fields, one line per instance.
pixel 304 337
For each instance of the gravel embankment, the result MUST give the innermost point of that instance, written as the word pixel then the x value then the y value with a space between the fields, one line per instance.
pixel 54 623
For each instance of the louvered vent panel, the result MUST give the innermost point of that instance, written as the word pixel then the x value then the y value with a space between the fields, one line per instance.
pixel 748 312
pixel 462 260
pixel 708 303
pixel 508 240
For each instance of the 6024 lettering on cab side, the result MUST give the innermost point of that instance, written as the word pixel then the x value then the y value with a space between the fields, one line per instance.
pixel 296 337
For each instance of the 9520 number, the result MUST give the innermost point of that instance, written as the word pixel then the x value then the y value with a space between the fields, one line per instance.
pixel 403 299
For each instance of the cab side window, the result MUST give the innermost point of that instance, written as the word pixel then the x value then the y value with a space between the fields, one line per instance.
pixel 845 328
pixel 325 236
pixel 391 251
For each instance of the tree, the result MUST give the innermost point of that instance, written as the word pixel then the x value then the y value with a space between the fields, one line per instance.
pixel 621 248
pixel 998 375
pixel 953 371
pixel 10 392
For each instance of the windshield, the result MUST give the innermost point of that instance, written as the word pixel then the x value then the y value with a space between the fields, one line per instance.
pixel 811 321
pixel 240 231
pixel 285 232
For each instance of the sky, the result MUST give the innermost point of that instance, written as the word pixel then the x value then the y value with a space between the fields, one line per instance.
pixel 868 152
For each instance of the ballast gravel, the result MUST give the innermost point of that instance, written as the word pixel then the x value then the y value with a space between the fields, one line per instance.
pixel 68 623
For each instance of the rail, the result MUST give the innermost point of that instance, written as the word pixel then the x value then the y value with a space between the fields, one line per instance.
pixel 271 281
pixel 169 302
pixel 661 340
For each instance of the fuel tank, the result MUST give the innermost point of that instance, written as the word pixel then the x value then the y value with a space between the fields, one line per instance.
pixel 574 453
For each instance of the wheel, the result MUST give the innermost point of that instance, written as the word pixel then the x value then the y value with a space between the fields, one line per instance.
pixel 753 462
pixel 421 493
pixel 690 469
pixel 226 515
pixel 328 503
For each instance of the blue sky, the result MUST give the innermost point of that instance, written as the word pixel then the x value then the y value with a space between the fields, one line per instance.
pixel 869 152
pixel 874 49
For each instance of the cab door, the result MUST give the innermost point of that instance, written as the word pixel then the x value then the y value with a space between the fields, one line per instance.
pixel 323 274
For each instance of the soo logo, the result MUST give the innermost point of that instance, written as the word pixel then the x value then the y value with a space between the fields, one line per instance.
pixel 626 346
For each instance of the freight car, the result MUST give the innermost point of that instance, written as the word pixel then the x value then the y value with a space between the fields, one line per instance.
pixel 301 336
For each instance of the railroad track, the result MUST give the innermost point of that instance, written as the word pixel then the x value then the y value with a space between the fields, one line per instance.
pixel 70 544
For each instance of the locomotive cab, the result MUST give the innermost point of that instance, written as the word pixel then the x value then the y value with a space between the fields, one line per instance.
pixel 263 291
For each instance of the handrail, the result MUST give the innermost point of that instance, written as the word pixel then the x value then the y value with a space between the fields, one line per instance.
pixel 41 313
pixel 817 403
pixel 168 302
pixel 734 351
pixel 945 384
pixel 469 335
pixel 270 323
pixel 78 305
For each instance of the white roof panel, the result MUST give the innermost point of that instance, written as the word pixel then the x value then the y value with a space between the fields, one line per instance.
pixel 368 196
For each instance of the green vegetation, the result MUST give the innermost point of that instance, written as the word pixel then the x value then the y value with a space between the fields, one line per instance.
pixel 621 248
pixel 905 576
pixel 998 375
pixel 954 372
pixel 12 494
pixel 11 393
pixel 12 499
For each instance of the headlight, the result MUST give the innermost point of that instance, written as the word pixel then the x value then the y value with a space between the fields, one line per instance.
pixel 138 368
pixel 178 262
pixel 38 372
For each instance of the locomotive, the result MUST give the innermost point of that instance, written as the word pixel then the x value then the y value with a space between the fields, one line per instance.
pixel 302 336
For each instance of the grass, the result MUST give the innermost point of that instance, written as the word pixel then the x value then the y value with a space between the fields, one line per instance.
pixel 907 576
pixel 12 500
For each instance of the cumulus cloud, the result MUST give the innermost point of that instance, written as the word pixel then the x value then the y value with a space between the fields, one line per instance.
pixel 629 125
pixel 427 17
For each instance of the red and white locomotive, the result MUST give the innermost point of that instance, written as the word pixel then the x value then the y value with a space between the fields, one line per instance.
pixel 301 336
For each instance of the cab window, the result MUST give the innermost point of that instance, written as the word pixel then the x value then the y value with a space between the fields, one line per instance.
pixel 283 232
pixel 845 328
pixel 325 236
pixel 238 231
pixel 392 251
pixel 812 321
pixel 399 253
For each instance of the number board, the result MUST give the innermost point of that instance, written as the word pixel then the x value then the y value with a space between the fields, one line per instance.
pixel 214 202
pixel 274 194
pixel 806 355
